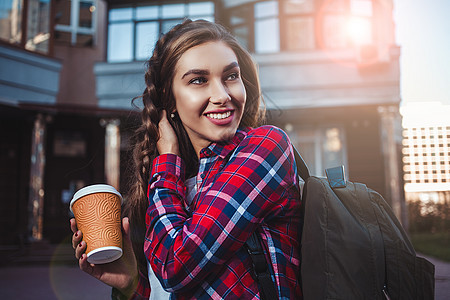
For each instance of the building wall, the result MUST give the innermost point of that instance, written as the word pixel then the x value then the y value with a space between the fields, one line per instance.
pixel 15 146
pixel 78 82
pixel 426 148
pixel 361 125
pixel 328 79
pixel 27 77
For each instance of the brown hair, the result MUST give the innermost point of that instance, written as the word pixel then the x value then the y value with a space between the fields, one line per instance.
pixel 158 96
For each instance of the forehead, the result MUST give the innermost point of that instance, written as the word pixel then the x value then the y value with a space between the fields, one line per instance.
pixel 208 56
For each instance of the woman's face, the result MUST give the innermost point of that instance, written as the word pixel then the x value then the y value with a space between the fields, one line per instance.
pixel 209 93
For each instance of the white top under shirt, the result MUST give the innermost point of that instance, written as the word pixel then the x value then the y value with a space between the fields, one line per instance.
pixel 157 291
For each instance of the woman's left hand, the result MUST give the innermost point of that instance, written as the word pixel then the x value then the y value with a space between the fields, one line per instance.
pixel 168 141
pixel 122 273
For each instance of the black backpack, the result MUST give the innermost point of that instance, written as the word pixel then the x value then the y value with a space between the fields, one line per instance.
pixel 352 245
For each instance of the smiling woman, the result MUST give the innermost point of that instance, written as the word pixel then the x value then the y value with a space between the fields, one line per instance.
pixel 207 178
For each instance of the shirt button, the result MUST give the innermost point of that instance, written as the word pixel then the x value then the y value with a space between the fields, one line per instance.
pixel 202 176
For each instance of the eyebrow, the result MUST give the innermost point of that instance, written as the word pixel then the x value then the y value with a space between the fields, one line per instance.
pixel 206 72
pixel 231 66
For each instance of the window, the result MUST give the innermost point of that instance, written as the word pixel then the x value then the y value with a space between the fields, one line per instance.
pixel 11 21
pixel 37 24
pixel 269 26
pixel 273 26
pixel 298 33
pixel 321 148
pixel 240 25
pixel 75 22
pixel 346 23
pixel 133 31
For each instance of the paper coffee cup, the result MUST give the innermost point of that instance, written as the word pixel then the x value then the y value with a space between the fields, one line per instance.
pixel 97 210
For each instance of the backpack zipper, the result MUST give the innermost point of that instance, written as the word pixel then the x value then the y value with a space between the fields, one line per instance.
pixel 385 293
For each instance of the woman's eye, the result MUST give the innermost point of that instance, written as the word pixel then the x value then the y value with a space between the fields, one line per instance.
pixel 233 76
pixel 197 80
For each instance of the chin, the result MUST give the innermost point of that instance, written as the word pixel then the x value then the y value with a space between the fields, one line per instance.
pixel 225 136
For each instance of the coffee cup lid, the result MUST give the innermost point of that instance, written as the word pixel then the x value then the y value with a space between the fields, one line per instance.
pixel 95 188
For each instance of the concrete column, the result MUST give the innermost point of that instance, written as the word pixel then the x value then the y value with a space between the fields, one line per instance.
pixel 112 151
pixel 391 143
pixel 36 195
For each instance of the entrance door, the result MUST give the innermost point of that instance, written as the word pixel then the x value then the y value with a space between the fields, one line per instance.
pixel 75 158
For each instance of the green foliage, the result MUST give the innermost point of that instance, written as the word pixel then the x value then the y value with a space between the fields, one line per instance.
pixel 433 244
pixel 429 227
pixel 429 217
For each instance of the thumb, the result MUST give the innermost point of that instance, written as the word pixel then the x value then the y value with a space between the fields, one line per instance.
pixel 126 235
pixel 126 227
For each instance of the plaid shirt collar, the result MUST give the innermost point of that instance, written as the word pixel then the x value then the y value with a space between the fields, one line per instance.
pixel 223 149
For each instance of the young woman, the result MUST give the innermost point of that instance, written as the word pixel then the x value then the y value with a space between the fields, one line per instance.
pixel 207 178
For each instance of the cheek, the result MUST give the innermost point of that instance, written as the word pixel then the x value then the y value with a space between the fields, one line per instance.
pixel 241 95
pixel 184 99
pixel 187 101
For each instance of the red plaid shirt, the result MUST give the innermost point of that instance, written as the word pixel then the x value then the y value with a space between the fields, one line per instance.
pixel 197 250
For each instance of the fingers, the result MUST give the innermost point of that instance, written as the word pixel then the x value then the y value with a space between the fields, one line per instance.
pixel 164 125
pixel 73 225
pixel 77 240
pixel 163 115
pixel 77 235
pixel 80 249
pixel 168 141
pixel 84 265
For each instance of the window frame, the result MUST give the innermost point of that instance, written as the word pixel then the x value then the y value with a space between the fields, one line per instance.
pixel 159 19
pixel 316 138
pixel 319 13
pixel 285 17
pixel 74 29
pixel 24 30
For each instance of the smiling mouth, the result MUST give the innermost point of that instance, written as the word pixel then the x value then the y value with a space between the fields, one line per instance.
pixel 219 116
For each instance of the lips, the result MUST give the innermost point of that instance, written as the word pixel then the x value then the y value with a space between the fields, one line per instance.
pixel 220 117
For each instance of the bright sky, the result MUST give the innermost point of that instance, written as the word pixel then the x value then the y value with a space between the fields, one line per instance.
pixel 423 32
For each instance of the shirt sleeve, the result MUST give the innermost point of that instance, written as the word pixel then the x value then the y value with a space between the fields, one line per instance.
pixel 251 188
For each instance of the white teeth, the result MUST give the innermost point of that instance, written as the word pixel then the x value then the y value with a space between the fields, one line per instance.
pixel 219 116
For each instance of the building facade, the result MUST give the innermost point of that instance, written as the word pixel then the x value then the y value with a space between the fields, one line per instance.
pixel 426 152
pixel 329 73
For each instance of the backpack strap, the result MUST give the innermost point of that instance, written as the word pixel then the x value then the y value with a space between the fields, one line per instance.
pixel 266 285
pixel 302 168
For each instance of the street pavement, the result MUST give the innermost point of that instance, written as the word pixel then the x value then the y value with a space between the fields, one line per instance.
pixel 47 272
pixel 441 278
pixel 50 272
pixel 50 282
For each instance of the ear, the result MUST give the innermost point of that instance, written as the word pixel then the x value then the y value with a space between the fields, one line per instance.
pixel 173 113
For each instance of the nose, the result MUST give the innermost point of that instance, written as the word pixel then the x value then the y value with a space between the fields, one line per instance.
pixel 219 92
